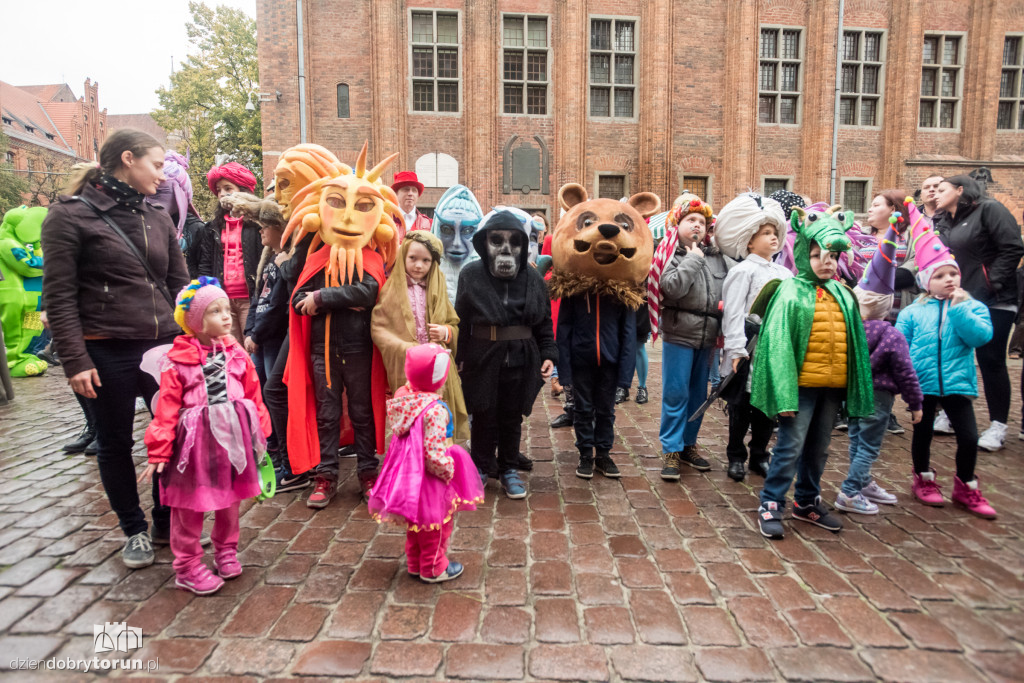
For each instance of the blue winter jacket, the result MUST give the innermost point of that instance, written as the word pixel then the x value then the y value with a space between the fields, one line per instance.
pixel 942 340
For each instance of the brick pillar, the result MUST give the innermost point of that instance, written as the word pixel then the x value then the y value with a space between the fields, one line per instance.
pixel 654 101
pixel 480 103
pixel 983 66
pixel 742 33
pixel 819 99
pixel 902 93
pixel 388 31
pixel 278 67
pixel 570 95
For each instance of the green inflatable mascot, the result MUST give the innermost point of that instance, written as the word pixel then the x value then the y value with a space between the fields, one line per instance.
pixel 21 288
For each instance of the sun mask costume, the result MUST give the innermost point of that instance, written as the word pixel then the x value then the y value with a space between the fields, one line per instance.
pixel 788 310
pixel 457 217
pixel 353 234
pixel 21 287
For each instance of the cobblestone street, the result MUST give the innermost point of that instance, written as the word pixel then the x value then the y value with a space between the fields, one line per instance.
pixel 630 579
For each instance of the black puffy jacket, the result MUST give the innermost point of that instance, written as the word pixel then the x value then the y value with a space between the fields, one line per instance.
pixel 986 241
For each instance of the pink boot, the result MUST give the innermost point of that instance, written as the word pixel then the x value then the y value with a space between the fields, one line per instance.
pixel 926 490
pixel 967 495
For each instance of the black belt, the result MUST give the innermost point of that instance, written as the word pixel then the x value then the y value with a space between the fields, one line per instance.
pixel 494 333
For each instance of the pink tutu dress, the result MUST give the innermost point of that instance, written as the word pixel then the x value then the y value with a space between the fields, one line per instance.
pixel 407 491
pixel 208 425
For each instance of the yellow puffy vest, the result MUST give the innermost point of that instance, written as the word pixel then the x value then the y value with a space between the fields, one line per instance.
pixel 825 361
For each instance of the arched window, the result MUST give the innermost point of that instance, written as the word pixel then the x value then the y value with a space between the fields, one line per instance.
pixel 343 100
pixel 437 170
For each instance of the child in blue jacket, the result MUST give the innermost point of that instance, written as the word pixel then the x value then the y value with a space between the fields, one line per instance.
pixel 943 328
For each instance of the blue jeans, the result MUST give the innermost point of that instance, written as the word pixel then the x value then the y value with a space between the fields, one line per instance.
pixel 866 435
pixel 684 373
pixel 802 447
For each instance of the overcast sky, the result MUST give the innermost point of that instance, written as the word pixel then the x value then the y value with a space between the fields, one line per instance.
pixel 125 45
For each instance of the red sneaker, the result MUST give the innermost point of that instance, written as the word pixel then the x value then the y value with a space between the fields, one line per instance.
pixel 323 491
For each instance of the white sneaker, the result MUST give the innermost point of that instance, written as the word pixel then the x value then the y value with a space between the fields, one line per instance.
pixel 857 504
pixel 876 494
pixel 942 424
pixel 992 438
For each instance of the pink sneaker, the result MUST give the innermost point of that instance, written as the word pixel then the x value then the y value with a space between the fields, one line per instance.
pixel 200 580
pixel 967 495
pixel 228 567
pixel 926 490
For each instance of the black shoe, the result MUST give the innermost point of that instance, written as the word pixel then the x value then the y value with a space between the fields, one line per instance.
pixel 562 420
pixel 292 482
pixel 49 357
pixel 894 426
pixel 621 395
pixel 93 448
pixel 690 456
pixel 606 466
pixel 641 395
pixel 759 467
pixel 817 513
pixel 769 520
pixel 736 471
pixel 522 463
pixel 81 442
pixel 840 424
pixel 585 470
pixel 670 472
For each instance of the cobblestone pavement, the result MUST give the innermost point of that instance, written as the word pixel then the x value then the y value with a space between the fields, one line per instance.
pixel 634 579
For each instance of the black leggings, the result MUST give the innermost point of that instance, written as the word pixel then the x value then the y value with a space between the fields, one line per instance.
pixel 992 363
pixel 960 410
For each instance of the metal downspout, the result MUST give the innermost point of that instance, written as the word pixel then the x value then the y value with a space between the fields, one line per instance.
pixel 302 72
pixel 835 108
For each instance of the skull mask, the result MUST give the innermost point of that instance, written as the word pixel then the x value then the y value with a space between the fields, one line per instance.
pixel 504 250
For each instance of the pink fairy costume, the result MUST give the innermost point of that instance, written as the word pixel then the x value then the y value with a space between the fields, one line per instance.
pixel 423 481
pixel 209 427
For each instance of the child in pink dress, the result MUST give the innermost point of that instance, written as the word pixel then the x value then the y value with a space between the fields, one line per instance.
pixel 425 480
pixel 209 426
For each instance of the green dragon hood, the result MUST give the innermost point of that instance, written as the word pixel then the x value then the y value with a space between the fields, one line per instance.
pixel 827 228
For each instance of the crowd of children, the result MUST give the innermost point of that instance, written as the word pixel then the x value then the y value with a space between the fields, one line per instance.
pixel 310 351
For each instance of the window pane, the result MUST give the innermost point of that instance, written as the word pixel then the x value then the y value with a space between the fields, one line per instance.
pixel 927 115
pixel 447 96
pixel 775 184
pixel 600 66
pixel 448 28
pixel 850 41
pixel 447 62
pixel 766 110
pixel 537 99
pixel 868 112
pixel 537 66
pixel 947 114
pixel 769 42
pixel 600 34
pixel 624 36
pixel 600 102
pixel 789 77
pixel 847 106
pixel 930 53
pixel 422 27
pixel 791 44
pixel 513 99
pixel 342 101
pixel 787 110
pixel 950 50
pixel 1006 88
pixel 1005 119
pixel 624 69
pixel 538 33
pixel 1010 49
pixel 423 97
pixel 1020 120
pixel 928 83
pixel 513 32
pixel 513 65
pixel 853 195
pixel 869 84
pixel 624 102
pixel 422 62
pixel 697 186
pixel 872 47
pixel 611 186
pixel 767 81
pixel 949 83
pixel 850 78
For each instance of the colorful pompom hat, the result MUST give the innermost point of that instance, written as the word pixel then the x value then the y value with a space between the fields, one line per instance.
pixel 930 253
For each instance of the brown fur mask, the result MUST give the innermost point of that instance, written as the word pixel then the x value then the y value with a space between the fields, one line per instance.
pixel 602 240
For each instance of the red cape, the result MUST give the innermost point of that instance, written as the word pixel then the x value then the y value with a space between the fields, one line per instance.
pixel 546 251
pixel 303 441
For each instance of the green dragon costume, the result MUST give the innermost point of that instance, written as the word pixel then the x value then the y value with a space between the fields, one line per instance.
pixel 21 287
pixel 787 308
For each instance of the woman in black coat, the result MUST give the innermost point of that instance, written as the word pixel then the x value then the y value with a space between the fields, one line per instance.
pixel 986 241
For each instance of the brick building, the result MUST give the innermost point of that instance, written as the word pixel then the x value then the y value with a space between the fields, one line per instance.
pixel 515 97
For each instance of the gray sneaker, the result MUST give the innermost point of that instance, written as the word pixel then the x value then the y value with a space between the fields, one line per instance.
pixel 138 551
